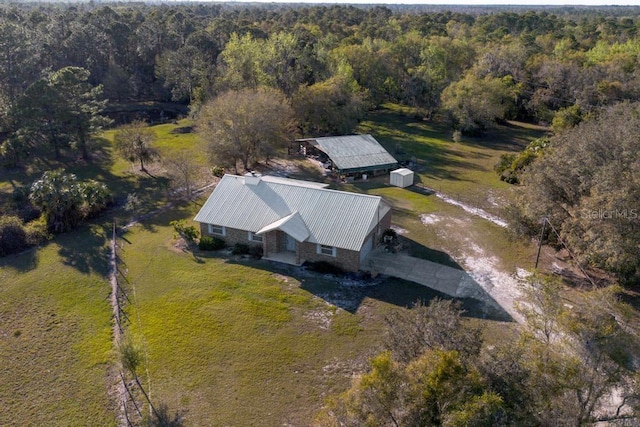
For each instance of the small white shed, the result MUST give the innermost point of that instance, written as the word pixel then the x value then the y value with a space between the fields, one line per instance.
pixel 402 177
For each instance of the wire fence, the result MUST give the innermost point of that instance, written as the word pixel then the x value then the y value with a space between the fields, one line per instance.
pixel 131 392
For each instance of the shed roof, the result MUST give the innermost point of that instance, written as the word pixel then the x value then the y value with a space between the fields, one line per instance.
pixel 354 152
pixel 402 172
pixel 330 217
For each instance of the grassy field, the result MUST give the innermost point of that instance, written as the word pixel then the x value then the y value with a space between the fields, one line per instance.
pixel 246 342
pixel 226 341
pixel 55 336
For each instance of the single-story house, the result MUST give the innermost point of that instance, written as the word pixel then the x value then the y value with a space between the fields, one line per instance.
pixel 295 221
pixel 350 155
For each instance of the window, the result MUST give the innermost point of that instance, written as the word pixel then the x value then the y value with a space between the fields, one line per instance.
pixel 327 250
pixel 217 230
pixel 253 237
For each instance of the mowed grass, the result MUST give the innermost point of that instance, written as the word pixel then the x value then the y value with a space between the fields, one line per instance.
pixel 55 336
pixel 463 170
pixel 55 318
pixel 240 342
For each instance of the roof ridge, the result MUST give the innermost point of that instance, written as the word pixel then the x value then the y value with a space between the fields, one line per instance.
pixel 312 187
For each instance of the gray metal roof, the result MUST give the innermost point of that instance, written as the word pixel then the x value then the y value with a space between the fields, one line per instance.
pixel 354 151
pixel 333 218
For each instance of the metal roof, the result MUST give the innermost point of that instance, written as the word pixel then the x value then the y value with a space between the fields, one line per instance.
pixel 332 218
pixel 402 172
pixel 359 152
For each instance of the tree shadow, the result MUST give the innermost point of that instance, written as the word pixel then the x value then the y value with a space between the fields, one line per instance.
pixel 23 262
pixel 85 248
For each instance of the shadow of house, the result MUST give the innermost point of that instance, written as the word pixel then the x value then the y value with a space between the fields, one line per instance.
pixel 349 291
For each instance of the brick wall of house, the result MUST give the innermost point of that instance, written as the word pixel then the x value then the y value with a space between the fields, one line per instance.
pixel 231 237
pixel 345 259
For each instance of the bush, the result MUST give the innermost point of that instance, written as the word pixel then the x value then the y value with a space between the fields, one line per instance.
pixel 209 243
pixel 325 267
pixel 217 171
pixel 190 233
pixel 13 236
pixel 240 249
pixel 256 251
pixel 37 231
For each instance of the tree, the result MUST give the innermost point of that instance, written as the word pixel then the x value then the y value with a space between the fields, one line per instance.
pixel 245 125
pixel 437 388
pixel 60 110
pixel 576 356
pixel 65 201
pixel 184 171
pixel 427 327
pixel 135 143
pixel 585 184
pixel 81 106
pixel 331 107
pixel 476 102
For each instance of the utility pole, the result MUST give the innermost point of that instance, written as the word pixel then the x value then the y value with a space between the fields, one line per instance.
pixel 544 223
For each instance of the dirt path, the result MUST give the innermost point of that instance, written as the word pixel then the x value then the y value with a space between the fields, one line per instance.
pixel 481 265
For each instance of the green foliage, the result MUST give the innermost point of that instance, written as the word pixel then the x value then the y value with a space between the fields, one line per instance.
pixel 241 249
pixel 566 362
pixel 586 187
pixel 135 142
pixel 59 110
pixel 210 243
pixel 475 103
pixel 566 118
pixel 217 171
pixel 13 236
pixel 188 232
pixel 330 107
pixel 511 166
pixel 65 201
pixel 130 356
pixel 13 150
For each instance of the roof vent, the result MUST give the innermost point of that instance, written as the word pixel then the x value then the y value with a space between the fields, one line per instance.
pixel 252 178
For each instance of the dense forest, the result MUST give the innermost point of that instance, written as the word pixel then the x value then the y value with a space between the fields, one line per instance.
pixel 67 71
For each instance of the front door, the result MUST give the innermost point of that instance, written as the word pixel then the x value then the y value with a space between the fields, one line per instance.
pixel 291 243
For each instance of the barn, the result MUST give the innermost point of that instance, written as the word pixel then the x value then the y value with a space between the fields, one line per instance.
pixel 357 156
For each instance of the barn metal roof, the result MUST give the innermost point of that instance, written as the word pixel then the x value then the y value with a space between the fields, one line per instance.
pixel 332 218
pixel 354 152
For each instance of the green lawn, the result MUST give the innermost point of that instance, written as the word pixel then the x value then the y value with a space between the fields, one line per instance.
pixel 55 336
pixel 226 342
pixel 242 342
pixel 462 170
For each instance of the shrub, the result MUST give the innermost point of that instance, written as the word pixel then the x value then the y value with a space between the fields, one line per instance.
pixel 190 233
pixel 13 236
pixel 209 243
pixel 256 251
pixel 217 171
pixel 325 267
pixel 240 249
pixel 37 231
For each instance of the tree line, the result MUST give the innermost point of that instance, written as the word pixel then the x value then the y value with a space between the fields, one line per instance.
pixel 527 64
